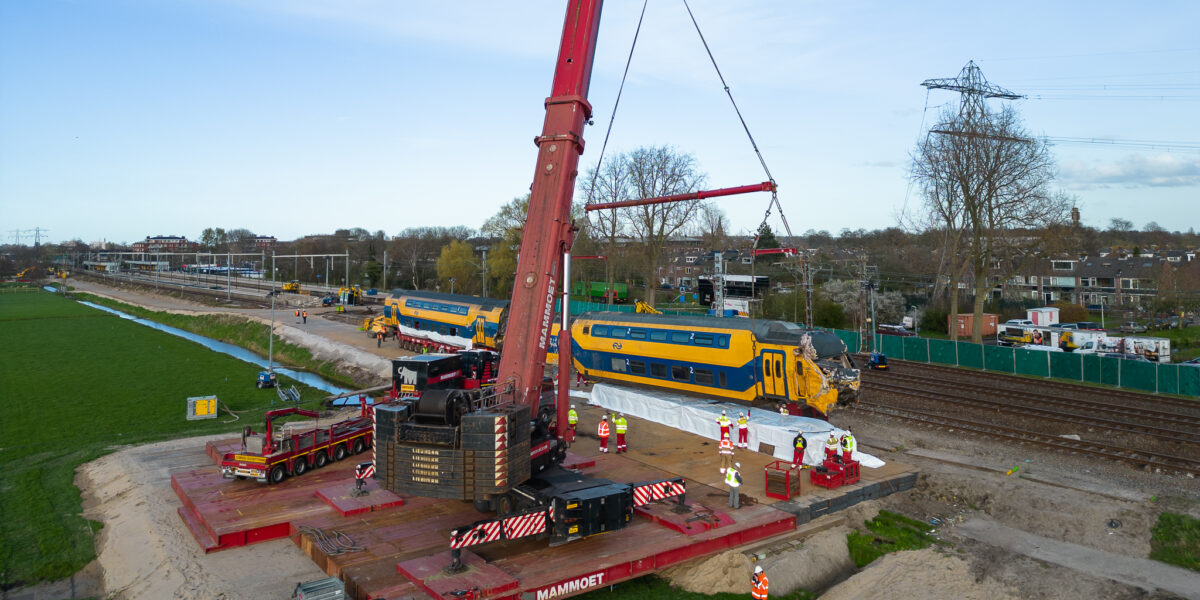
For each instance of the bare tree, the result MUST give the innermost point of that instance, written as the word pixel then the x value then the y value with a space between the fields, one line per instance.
pixel 660 171
pixel 612 184
pixel 987 183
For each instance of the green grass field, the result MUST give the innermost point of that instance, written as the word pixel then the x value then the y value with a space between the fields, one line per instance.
pixel 78 383
pixel 890 532
pixel 235 330
pixel 1175 540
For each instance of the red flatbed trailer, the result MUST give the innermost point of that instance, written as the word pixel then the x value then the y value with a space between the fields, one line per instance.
pixel 271 457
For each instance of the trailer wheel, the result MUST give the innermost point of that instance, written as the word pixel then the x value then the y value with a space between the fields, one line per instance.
pixel 339 452
pixel 321 460
pixel 278 474
pixel 483 505
pixel 300 467
pixel 504 505
pixel 359 446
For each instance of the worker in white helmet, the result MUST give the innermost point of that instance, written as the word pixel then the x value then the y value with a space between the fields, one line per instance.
pixel 733 478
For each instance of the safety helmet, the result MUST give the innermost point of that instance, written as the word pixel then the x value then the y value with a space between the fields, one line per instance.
pixel 722 412
pixel 572 406
pixel 757 569
pixel 738 465
pixel 604 417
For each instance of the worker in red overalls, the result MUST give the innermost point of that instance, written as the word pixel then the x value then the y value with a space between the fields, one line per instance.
pixel 743 422
pixel 724 422
pixel 602 433
pixel 798 446
pixel 831 446
pixel 848 446
pixel 725 448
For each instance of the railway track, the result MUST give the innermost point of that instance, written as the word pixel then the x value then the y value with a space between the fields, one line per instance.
pixel 1139 458
pixel 1112 396
pixel 1036 400
pixel 1017 408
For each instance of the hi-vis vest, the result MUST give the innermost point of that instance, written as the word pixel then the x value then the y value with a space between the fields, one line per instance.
pixel 742 422
pixel 726 446
pixel 760 587
pixel 603 430
pixel 831 443
pixel 572 416
pixel 801 442
pixel 622 424
pixel 724 422
pixel 848 442
pixel 731 477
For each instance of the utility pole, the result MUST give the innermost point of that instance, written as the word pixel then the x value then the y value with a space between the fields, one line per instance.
pixel 718 285
pixel 484 249
pixel 383 284
pixel 228 273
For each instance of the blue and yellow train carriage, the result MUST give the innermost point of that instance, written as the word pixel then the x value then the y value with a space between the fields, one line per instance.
pixel 471 317
pixel 738 359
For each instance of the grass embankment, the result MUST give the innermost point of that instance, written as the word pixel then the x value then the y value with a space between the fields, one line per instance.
pixel 654 588
pixel 890 532
pixel 78 383
pixel 1175 540
pixel 236 330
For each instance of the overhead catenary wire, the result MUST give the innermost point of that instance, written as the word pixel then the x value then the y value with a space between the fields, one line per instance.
pixel 774 194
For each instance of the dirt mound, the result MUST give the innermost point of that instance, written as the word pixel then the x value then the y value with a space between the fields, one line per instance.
pixel 918 574
pixel 725 572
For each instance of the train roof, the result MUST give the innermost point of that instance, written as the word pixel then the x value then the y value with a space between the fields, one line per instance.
pixel 776 332
pixel 444 297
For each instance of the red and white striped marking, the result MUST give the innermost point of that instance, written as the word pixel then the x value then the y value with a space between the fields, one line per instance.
pixel 525 525
pixel 480 533
pixel 501 468
pixel 645 494
pixel 364 470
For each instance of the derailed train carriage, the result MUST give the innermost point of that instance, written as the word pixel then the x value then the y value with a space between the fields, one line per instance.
pixel 739 359
pixel 471 317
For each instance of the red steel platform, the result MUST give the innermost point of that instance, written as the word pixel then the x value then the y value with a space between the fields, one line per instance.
pixel 405 539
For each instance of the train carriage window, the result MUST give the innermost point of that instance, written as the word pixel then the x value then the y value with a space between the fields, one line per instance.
pixel 703 339
pixel 679 337
pixel 600 331
pixel 778 368
pixel 619 332
pixel 658 370
pixel 721 378
pixel 637 367
pixel 723 341
pixel 637 334
pixel 658 336
pixel 618 365
pixel 704 377
pixel 680 373
pixel 585 329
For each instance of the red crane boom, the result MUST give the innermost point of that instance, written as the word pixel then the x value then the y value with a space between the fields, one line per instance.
pixel 548 228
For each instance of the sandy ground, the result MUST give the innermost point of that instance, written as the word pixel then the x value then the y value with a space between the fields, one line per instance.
pixel 146 552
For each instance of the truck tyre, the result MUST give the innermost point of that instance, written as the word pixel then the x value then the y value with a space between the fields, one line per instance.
pixel 504 505
pixel 339 452
pixel 321 460
pixel 483 505
pixel 300 467
pixel 278 474
pixel 359 446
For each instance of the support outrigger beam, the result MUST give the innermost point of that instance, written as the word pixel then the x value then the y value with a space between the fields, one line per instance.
pixel 766 186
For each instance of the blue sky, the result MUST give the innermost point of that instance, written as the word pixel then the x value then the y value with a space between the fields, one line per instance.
pixel 126 118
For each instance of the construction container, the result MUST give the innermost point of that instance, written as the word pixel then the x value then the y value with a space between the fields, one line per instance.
pixel 967 321
pixel 782 480
pixel 1044 316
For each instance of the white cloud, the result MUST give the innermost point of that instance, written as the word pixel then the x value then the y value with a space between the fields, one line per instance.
pixel 1134 171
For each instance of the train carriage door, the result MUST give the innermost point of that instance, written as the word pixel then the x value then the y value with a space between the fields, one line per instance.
pixel 773 367
pixel 480 336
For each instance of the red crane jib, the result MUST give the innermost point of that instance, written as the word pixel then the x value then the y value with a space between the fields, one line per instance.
pixel 548 227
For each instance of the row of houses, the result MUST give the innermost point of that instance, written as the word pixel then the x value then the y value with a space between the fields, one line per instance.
pixel 1117 278
pixel 166 244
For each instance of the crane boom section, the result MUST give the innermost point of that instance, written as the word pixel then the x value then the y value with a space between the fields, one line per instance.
pixel 548 232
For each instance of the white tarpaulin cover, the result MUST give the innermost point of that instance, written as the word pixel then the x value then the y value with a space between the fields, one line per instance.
pixel 699 416
pixel 449 340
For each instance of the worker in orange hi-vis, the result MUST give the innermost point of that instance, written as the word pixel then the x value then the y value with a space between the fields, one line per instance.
pixel 725 448
pixel 602 432
pixel 760 583
pixel 304 315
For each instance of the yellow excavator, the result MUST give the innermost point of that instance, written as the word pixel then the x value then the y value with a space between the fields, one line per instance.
pixel 292 286
pixel 642 307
